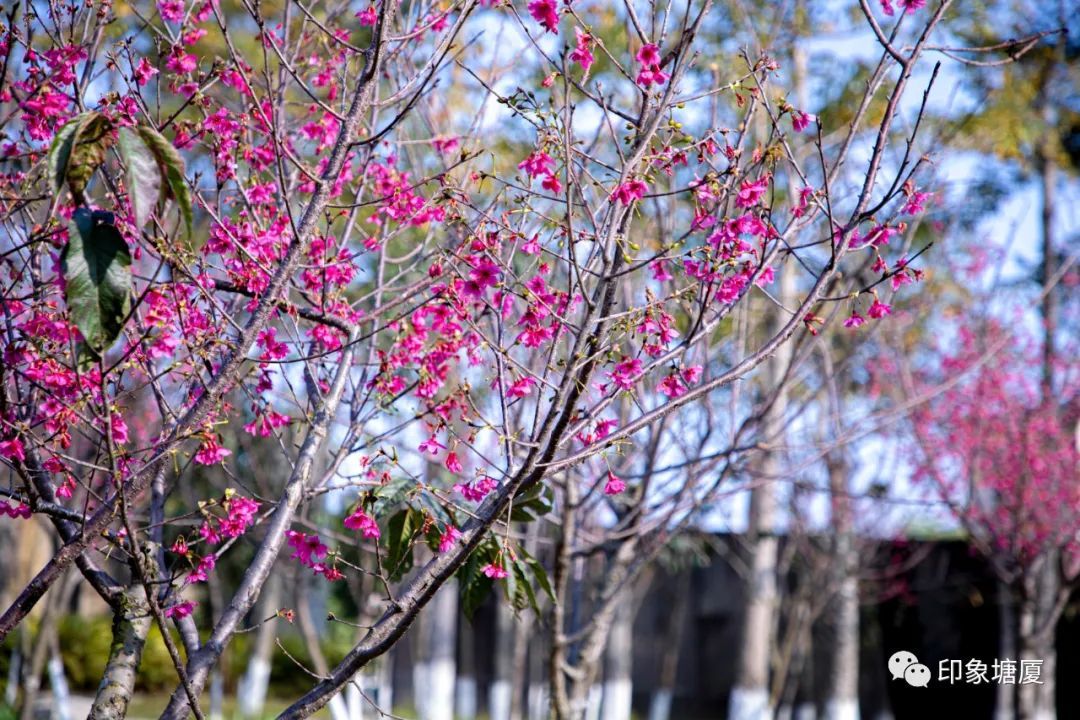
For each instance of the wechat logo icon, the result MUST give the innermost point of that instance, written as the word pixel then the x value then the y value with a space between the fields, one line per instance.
pixel 904 665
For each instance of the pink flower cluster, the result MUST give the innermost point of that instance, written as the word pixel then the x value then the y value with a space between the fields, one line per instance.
pixel 22 510
pixel 545 12
pixel 309 550
pixel 614 484
pixel 478 489
pixel 360 520
pixel 650 73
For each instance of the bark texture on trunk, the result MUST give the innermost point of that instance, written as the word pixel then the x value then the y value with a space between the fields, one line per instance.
pixel 131 625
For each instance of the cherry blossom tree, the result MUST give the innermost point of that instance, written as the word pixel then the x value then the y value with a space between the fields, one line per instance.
pixel 276 220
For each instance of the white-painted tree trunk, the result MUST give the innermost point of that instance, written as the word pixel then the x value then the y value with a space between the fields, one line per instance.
pixel 251 696
pixel 750 696
pixel 338 709
pixel 618 662
pixel 465 698
pixel 501 690
pixel 465 692
pixel 11 692
pixel 842 689
pixel 660 705
pixel 538 701
pixel 441 655
pixel 592 706
pixel 59 685
pixel 355 702
pixel 217 696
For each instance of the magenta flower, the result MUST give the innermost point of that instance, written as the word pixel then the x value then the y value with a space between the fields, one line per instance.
pixel 367 16
pixel 495 572
pixel 537 163
pixel 854 321
pixel 211 452
pixel 879 310
pixel 363 522
pixel 582 54
pixel 545 12
pixel 648 55
pixel 630 191
pixel 12 449
pixel 614 484
pixel 449 538
pixel 180 610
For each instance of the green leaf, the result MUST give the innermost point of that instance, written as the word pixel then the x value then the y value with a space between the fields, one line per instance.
pixel 520 588
pixel 56 161
pixel 538 573
pixel 400 531
pixel 93 137
pixel 172 168
pixel 531 503
pixel 541 577
pixel 143 177
pixel 475 585
pixel 96 266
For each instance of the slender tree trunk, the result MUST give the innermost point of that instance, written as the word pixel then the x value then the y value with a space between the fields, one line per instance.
pixel 501 691
pixel 671 646
pixel 420 648
pixel 58 683
pixel 750 696
pixel 11 691
pixel 256 679
pixel 38 657
pixel 539 700
pixel 465 693
pixel 619 661
pixel 520 669
pixel 1005 702
pixel 1037 626
pixel 305 620
pixel 842 692
pixel 441 653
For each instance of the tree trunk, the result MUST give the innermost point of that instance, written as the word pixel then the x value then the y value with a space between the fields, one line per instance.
pixel 842 691
pixel 750 696
pixel 539 703
pixel 664 694
pixel 1035 701
pixel 305 620
pixel 619 660
pixel 1005 702
pixel 441 653
pixel 59 685
pixel 131 625
pixel 256 678
pixel 465 697
pixel 501 691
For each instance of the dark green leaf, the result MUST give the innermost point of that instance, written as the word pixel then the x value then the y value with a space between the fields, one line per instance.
pixel 400 531
pixel 541 577
pixel 521 592
pixel 475 585
pixel 172 167
pixel 143 177
pixel 96 266
pixel 60 151
pixel 92 139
